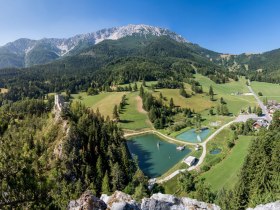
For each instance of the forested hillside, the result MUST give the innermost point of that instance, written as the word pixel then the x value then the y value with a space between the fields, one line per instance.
pixel 111 62
pixel 259 67
pixel 259 177
pixel 46 161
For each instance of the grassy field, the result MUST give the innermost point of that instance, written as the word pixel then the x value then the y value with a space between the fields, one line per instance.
pixel 219 142
pixel 131 118
pixel 201 102
pixel 224 174
pixel 227 91
pixel 105 102
pixel 198 102
pixel 269 90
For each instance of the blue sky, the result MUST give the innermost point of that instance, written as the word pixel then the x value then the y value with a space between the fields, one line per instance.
pixel 228 26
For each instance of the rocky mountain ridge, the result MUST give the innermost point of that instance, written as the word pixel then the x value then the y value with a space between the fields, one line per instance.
pixel 27 52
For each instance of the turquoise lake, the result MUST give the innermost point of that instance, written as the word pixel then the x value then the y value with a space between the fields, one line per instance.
pixel 155 160
pixel 192 136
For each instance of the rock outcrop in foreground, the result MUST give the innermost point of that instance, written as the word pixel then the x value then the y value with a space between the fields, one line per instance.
pixel 122 201
pixel 268 206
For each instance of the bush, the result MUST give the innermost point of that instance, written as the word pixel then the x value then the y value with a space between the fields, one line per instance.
pixel 230 144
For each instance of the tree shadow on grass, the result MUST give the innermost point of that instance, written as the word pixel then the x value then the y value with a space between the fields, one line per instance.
pixel 126 121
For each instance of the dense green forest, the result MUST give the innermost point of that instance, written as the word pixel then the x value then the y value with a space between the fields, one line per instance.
pixel 259 178
pixel 111 62
pixel 44 162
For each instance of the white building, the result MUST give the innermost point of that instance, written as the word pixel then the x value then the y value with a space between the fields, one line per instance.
pixel 189 160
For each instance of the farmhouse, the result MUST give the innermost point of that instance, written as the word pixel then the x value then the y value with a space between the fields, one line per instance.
pixel 189 160
pixel 260 123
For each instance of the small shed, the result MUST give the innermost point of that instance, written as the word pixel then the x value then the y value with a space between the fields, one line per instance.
pixel 189 160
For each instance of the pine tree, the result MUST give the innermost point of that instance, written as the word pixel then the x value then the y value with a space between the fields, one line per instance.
pixel 160 95
pixel 211 93
pixel 140 192
pixel 99 167
pixel 135 88
pixel 198 121
pixel 141 94
pixel 186 182
pixel 129 87
pixel 118 177
pixel 116 113
pixel 222 101
pixel 171 103
pixel 249 110
pixel 144 83
pixel 183 92
pixel 105 184
pixel 259 111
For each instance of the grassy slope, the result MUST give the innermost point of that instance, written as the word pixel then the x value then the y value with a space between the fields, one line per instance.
pixel 269 90
pixel 105 102
pixel 224 174
pixel 219 142
pixel 199 102
pixel 131 118
pixel 235 102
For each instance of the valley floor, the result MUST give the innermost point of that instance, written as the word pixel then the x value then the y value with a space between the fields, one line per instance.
pixel 135 120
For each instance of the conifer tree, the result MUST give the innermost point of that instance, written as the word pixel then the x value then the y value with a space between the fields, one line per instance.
pixel 116 113
pixel 105 184
pixel 141 94
pixel 135 88
pixel 171 103
pixel 211 93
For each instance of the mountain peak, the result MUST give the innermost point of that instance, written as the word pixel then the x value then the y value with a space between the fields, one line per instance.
pixel 131 29
pixel 25 51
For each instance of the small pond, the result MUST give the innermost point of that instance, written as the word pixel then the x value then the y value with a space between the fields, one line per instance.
pixel 194 137
pixel 215 151
pixel 155 156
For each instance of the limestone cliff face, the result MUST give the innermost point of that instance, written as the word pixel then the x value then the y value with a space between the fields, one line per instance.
pixel 268 206
pixel 122 201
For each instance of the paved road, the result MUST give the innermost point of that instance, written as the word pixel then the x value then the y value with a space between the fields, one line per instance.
pixel 264 110
pixel 202 157
pixel 239 118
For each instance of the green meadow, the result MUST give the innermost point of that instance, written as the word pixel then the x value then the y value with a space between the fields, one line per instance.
pixel 225 173
pixel 269 90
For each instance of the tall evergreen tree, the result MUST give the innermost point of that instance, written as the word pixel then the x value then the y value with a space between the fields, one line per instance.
pixel 135 87
pixel 106 184
pixel 171 103
pixel 116 113
pixel 211 93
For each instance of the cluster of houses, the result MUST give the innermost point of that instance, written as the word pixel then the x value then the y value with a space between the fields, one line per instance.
pixel 272 106
pixel 259 123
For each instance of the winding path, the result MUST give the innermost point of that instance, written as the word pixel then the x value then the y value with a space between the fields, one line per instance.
pixel 239 118
pixel 262 106
pixel 202 157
